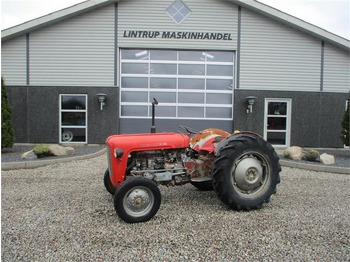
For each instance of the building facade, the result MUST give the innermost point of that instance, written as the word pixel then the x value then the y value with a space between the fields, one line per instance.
pixel 201 59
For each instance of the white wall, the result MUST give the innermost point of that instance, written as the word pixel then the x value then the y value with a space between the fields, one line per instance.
pixel 13 61
pixel 75 52
pixel 336 70
pixel 80 51
pixel 206 16
pixel 277 57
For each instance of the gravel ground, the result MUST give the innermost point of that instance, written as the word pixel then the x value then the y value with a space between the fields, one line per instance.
pixel 63 213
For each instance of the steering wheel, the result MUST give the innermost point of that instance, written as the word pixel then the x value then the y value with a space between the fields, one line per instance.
pixel 189 130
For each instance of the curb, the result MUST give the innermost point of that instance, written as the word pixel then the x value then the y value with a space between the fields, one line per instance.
pixel 39 163
pixel 319 168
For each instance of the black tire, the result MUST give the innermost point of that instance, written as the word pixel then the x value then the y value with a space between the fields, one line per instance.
pixel 203 186
pixel 137 200
pixel 246 172
pixel 108 184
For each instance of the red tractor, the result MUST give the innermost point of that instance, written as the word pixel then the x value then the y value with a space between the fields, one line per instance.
pixel 242 168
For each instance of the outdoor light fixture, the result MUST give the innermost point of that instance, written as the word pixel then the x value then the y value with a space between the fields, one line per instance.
pixel 250 101
pixel 101 100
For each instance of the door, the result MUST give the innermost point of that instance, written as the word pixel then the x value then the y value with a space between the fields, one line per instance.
pixel 196 86
pixel 277 121
pixel 73 118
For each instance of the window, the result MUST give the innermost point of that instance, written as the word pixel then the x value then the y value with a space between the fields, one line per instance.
pixel 187 84
pixel 277 121
pixel 73 118
pixel 178 11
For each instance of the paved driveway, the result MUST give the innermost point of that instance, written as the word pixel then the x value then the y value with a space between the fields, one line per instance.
pixel 63 213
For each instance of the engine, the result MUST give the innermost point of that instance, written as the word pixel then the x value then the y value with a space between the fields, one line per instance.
pixel 163 166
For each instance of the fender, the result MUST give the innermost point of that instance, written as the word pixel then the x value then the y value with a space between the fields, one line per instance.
pixel 207 139
pixel 235 135
pixel 121 146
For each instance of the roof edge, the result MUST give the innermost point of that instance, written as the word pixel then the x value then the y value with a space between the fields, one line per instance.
pixel 253 5
pixel 294 22
pixel 52 18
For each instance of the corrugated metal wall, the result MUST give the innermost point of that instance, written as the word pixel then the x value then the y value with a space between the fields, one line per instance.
pixel 77 51
pixel 277 57
pixel 80 51
pixel 13 61
pixel 336 70
pixel 206 16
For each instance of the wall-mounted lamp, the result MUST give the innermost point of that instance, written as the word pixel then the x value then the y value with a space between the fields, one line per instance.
pixel 101 99
pixel 250 101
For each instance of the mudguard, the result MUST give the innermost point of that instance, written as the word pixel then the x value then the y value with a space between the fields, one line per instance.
pixel 234 136
pixel 207 139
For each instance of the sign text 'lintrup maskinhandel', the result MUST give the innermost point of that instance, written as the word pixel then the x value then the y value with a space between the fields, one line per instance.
pixel 177 35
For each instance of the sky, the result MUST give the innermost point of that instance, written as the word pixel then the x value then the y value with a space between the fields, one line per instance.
pixel 331 15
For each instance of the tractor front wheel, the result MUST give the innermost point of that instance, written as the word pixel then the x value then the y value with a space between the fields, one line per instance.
pixel 137 200
pixel 246 172
pixel 108 184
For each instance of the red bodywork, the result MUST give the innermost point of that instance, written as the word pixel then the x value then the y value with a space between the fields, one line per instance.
pixel 205 140
pixel 129 143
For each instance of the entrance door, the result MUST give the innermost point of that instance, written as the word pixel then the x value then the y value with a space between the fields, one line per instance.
pixel 73 118
pixel 277 121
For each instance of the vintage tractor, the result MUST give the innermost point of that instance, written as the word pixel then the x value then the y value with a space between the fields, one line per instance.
pixel 242 168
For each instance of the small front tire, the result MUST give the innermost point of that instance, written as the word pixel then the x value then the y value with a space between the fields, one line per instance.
pixel 107 182
pixel 137 200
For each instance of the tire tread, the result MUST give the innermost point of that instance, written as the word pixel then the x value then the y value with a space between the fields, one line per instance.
pixel 231 150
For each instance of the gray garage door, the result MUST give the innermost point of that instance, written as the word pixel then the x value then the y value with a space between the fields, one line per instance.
pixel 194 87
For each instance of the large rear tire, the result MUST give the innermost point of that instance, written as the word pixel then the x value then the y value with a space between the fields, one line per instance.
pixel 137 200
pixel 246 172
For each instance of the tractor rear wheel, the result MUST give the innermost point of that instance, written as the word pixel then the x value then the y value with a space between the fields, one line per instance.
pixel 137 200
pixel 245 172
pixel 108 184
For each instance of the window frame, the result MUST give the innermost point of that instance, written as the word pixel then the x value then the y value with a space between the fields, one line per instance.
pixel 73 126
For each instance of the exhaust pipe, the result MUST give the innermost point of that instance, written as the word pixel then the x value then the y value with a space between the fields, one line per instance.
pixel 154 103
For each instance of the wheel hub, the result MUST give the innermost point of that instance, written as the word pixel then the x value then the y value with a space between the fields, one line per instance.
pixel 248 174
pixel 252 175
pixel 138 200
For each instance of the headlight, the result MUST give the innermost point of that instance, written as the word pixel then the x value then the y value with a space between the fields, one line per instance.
pixel 118 153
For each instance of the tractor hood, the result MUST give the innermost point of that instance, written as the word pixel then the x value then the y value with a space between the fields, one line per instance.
pixel 140 142
pixel 120 147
